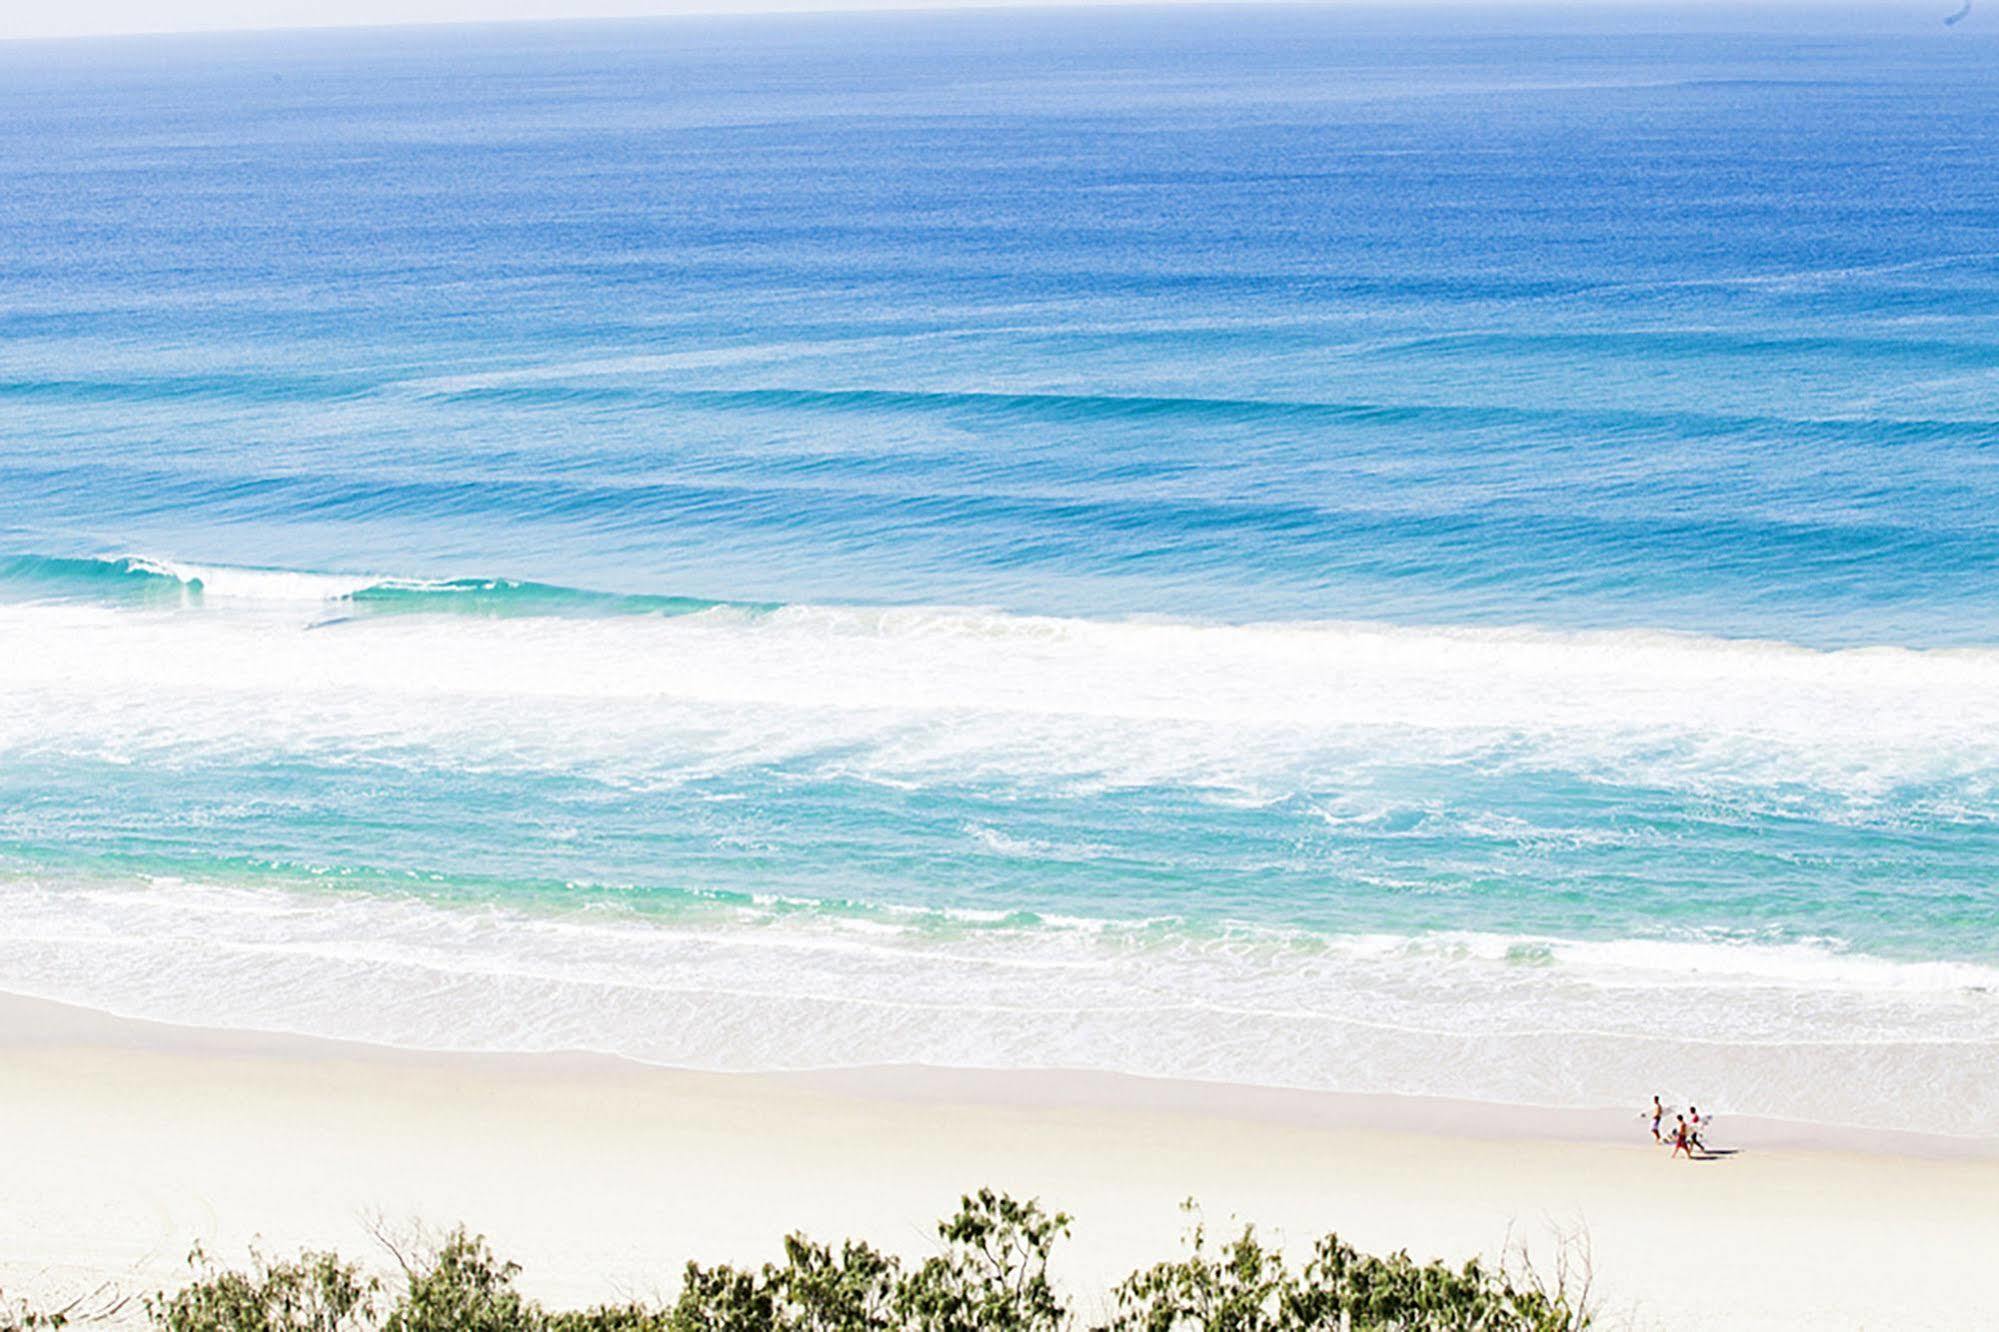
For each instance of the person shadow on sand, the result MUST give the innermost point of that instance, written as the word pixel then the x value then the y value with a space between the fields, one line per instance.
pixel 1688 1131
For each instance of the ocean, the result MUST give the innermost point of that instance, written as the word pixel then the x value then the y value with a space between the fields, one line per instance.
pixel 1429 553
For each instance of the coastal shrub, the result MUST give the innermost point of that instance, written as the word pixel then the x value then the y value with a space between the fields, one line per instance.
pixel 1396 1292
pixel 852 1290
pixel 1246 1287
pixel 612 1318
pixel 993 1273
pixel 815 1289
pixel 1241 1288
pixel 462 1287
pixel 726 1299
pixel 990 1274
pixel 315 1292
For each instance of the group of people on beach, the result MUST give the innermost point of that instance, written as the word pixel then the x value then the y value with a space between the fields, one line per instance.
pixel 1687 1129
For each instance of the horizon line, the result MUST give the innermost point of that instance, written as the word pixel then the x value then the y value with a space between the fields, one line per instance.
pixel 1595 10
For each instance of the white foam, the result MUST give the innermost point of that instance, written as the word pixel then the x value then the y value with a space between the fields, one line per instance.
pixel 915 695
pixel 237 583
pixel 1796 1031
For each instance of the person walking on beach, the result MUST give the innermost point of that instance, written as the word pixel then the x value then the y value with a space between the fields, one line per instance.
pixel 1694 1127
pixel 1658 1113
pixel 1680 1140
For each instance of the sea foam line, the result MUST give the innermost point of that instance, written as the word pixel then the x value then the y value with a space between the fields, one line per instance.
pixel 912 693
pixel 1792 1031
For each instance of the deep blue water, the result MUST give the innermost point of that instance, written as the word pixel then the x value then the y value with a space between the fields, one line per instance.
pixel 1181 541
pixel 1283 316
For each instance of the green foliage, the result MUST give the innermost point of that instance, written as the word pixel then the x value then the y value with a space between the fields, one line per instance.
pixel 1246 1287
pixel 815 1290
pixel 993 1273
pixel 1397 1292
pixel 823 1291
pixel 990 1274
pixel 612 1318
pixel 315 1292
pixel 725 1299
pixel 1243 1288
pixel 463 1288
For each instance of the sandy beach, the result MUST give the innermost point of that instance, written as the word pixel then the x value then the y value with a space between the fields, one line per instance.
pixel 128 1142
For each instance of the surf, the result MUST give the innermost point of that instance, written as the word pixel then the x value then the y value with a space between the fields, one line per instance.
pixel 143 579
pixel 745 984
pixel 910 690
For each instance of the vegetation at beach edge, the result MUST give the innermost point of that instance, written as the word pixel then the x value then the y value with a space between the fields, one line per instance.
pixel 990 1272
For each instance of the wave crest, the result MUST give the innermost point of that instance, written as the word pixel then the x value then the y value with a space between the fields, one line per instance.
pixel 144 579
pixel 644 687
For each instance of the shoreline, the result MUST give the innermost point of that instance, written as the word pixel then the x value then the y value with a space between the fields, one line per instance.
pixel 1034 1089
pixel 602 1176
pixel 1492 1121
pixel 59 1023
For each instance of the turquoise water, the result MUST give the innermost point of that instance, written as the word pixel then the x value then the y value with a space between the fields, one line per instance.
pixel 1395 554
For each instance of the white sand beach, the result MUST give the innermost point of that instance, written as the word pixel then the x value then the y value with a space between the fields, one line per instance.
pixel 128 1142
